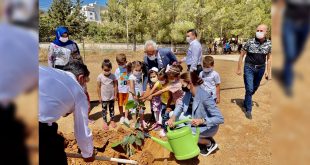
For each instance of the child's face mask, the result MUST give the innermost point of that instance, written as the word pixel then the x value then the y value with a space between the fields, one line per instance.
pixel 154 79
pixel 107 72
pixel 207 70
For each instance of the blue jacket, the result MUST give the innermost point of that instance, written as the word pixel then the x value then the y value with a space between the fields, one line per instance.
pixel 167 57
pixel 203 106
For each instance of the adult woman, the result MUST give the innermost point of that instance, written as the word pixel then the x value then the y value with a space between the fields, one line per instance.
pixel 199 105
pixel 62 50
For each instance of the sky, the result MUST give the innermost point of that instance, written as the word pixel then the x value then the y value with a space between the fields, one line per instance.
pixel 45 4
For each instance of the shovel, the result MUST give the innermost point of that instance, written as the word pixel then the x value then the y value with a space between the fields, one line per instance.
pixel 103 158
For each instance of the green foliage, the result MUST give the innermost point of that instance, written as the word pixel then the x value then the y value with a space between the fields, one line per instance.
pixel 63 13
pixel 163 20
pixel 135 137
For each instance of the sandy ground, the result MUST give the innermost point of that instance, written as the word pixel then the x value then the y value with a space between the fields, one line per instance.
pixel 241 141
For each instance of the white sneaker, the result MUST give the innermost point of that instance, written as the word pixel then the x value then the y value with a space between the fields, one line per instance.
pixel 122 120
pixel 126 121
pixel 162 133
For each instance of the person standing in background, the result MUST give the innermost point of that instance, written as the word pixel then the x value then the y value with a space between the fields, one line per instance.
pixel 193 57
pixel 257 50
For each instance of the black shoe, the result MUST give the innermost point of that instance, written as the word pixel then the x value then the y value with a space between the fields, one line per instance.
pixel 207 150
pixel 248 115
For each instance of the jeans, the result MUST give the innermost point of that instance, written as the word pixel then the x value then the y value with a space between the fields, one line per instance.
pixel 294 37
pixel 252 77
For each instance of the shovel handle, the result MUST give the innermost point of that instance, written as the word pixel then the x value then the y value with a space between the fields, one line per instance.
pixel 103 158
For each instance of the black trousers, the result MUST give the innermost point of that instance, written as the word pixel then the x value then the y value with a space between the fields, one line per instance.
pixel 51 146
pixel 12 139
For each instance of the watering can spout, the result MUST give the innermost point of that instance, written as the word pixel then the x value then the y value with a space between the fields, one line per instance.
pixel 162 143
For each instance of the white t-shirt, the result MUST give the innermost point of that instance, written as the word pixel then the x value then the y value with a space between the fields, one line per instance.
pixel 210 80
pixel 122 77
pixel 107 86
pixel 59 95
pixel 138 84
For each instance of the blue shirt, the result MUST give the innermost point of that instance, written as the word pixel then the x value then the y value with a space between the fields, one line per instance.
pixel 194 55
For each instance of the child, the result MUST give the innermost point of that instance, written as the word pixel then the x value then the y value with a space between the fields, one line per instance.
pixel 211 79
pixel 175 92
pixel 121 75
pixel 153 86
pixel 136 88
pixel 107 92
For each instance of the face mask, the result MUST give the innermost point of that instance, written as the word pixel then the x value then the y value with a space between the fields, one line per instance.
pixel 162 82
pixel 137 74
pixel 152 58
pixel 106 73
pixel 63 39
pixel 185 89
pixel 155 79
pixel 188 39
pixel 207 70
pixel 260 35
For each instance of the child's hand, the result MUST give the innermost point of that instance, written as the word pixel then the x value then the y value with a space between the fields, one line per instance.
pixel 170 122
pixel 149 98
pixel 217 100
pixel 115 98
pixel 168 110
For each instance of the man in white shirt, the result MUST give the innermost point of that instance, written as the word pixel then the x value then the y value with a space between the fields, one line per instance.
pixel 194 54
pixel 61 93
pixel 18 75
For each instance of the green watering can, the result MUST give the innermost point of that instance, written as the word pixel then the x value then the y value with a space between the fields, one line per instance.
pixel 181 141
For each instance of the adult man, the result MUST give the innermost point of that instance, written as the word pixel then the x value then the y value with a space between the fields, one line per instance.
pixel 18 74
pixel 194 53
pixel 157 57
pixel 61 93
pixel 257 50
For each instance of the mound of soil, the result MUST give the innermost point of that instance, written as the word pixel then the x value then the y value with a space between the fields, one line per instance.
pixel 102 143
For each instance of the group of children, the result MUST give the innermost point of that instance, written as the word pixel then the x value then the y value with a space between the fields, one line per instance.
pixel 164 90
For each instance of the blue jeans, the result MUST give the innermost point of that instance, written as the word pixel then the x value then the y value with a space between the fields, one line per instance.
pixel 294 37
pixel 252 77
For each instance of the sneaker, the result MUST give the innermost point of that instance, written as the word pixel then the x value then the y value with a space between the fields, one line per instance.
pixel 126 121
pixel 207 150
pixel 248 115
pixel 162 133
pixel 122 120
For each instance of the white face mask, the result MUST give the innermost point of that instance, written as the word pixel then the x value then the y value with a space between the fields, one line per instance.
pixel 188 39
pixel 162 82
pixel 154 80
pixel 260 35
pixel 137 74
pixel 207 70
pixel 152 58
pixel 106 73
pixel 64 39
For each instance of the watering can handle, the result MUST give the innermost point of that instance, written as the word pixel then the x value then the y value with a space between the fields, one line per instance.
pixel 179 122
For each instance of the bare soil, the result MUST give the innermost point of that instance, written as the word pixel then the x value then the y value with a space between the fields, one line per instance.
pixel 241 141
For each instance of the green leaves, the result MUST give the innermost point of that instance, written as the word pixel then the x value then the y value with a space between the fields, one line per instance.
pixel 132 139
pixel 140 135
pixel 116 144
pixel 131 104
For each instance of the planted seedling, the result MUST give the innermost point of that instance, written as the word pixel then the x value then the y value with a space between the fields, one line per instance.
pixel 131 141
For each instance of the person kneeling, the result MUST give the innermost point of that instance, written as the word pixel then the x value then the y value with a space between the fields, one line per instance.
pixel 199 105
